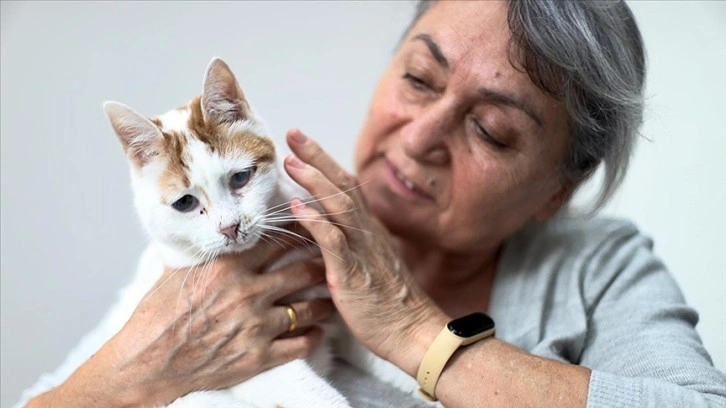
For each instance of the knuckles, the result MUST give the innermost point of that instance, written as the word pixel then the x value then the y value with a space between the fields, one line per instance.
pixel 256 327
pixel 335 239
pixel 346 181
pixel 347 204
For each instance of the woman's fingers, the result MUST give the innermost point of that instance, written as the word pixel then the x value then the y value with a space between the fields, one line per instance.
pixel 337 203
pixel 303 315
pixel 310 152
pixel 294 278
pixel 338 191
pixel 332 241
pixel 286 349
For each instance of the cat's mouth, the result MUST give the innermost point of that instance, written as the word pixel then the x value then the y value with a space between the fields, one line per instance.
pixel 243 242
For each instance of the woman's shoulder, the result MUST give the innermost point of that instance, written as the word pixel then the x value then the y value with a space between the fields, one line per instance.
pixel 566 238
pixel 568 268
pixel 581 231
pixel 587 255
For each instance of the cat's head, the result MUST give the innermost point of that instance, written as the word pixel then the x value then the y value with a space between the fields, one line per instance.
pixel 204 174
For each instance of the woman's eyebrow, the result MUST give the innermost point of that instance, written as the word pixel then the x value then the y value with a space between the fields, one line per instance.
pixel 511 101
pixel 434 49
pixel 486 93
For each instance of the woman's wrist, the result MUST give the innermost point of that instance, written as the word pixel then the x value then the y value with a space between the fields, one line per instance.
pixel 417 339
pixel 96 383
pixel 82 392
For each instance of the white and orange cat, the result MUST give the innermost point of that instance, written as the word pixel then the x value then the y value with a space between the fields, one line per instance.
pixel 205 178
pixel 206 182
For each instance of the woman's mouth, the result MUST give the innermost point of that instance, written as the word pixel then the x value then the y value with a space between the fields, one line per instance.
pixel 405 186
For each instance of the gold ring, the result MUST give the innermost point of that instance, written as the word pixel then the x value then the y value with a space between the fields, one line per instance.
pixel 292 314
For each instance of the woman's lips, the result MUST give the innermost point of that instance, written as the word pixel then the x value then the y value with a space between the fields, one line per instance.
pixel 404 185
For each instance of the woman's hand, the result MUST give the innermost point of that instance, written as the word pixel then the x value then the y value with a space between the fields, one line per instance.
pixel 207 330
pixel 368 281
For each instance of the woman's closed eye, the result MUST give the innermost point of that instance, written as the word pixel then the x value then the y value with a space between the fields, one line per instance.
pixel 416 82
pixel 486 136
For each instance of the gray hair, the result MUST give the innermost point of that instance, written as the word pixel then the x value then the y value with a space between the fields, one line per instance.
pixel 589 55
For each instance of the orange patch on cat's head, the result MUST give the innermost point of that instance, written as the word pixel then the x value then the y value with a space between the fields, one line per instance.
pixel 221 139
pixel 175 177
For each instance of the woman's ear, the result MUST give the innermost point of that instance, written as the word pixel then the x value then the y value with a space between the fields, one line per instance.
pixel 558 199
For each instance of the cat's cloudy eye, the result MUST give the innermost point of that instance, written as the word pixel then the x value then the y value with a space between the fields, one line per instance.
pixel 186 203
pixel 240 179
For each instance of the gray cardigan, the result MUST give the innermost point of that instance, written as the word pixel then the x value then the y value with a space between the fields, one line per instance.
pixel 589 292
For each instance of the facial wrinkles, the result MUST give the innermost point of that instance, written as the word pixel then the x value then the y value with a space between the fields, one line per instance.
pixel 467 53
pixel 481 50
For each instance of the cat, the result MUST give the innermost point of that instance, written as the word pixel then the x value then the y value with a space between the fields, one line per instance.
pixel 189 167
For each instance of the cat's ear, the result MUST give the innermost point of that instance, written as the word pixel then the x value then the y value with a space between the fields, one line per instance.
pixel 222 100
pixel 139 136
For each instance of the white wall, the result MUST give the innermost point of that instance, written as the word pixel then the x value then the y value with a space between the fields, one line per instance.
pixel 69 235
pixel 676 186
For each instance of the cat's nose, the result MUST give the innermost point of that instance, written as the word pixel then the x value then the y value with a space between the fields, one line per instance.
pixel 230 231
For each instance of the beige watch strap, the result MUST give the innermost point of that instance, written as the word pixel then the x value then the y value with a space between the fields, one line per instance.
pixel 444 345
pixel 436 357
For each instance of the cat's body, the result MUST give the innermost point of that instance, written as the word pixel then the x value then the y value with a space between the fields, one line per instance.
pixel 299 383
pixel 206 182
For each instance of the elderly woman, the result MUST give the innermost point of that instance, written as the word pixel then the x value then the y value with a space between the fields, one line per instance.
pixel 488 118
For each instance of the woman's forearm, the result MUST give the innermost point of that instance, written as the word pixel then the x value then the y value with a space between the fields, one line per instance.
pixel 493 373
pixel 93 384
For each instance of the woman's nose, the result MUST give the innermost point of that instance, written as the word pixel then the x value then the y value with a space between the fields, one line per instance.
pixel 424 138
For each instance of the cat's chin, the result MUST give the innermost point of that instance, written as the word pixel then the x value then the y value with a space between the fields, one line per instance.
pixel 174 255
pixel 237 247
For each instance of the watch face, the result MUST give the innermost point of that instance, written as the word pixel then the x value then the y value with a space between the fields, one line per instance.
pixel 471 325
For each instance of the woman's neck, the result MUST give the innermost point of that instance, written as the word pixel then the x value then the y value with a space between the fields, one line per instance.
pixel 458 283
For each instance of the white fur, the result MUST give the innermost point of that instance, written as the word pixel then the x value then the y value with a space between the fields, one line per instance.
pixel 175 120
pixel 192 238
pixel 176 239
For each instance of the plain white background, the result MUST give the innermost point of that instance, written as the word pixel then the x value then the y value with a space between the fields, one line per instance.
pixel 70 238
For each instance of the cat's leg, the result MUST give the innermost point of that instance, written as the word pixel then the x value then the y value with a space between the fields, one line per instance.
pixel 292 385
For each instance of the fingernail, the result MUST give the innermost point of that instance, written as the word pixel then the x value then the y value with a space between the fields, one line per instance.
pixel 293 161
pixel 297 137
pixel 298 203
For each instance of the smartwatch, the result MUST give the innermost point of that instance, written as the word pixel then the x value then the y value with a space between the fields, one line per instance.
pixel 458 332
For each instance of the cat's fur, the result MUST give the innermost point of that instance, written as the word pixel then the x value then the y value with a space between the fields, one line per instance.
pixel 197 150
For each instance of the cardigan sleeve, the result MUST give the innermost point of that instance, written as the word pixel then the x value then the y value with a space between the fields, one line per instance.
pixel 641 342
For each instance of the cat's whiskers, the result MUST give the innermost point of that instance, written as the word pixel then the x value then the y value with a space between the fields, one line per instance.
pixel 207 272
pixel 171 275
pixel 198 267
pixel 262 234
pixel 202 254
pixel 286 206
pixel 298 236
pixel 291 218
pixel 204 266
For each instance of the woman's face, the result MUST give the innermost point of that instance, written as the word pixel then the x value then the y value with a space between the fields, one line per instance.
pixel 459 148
